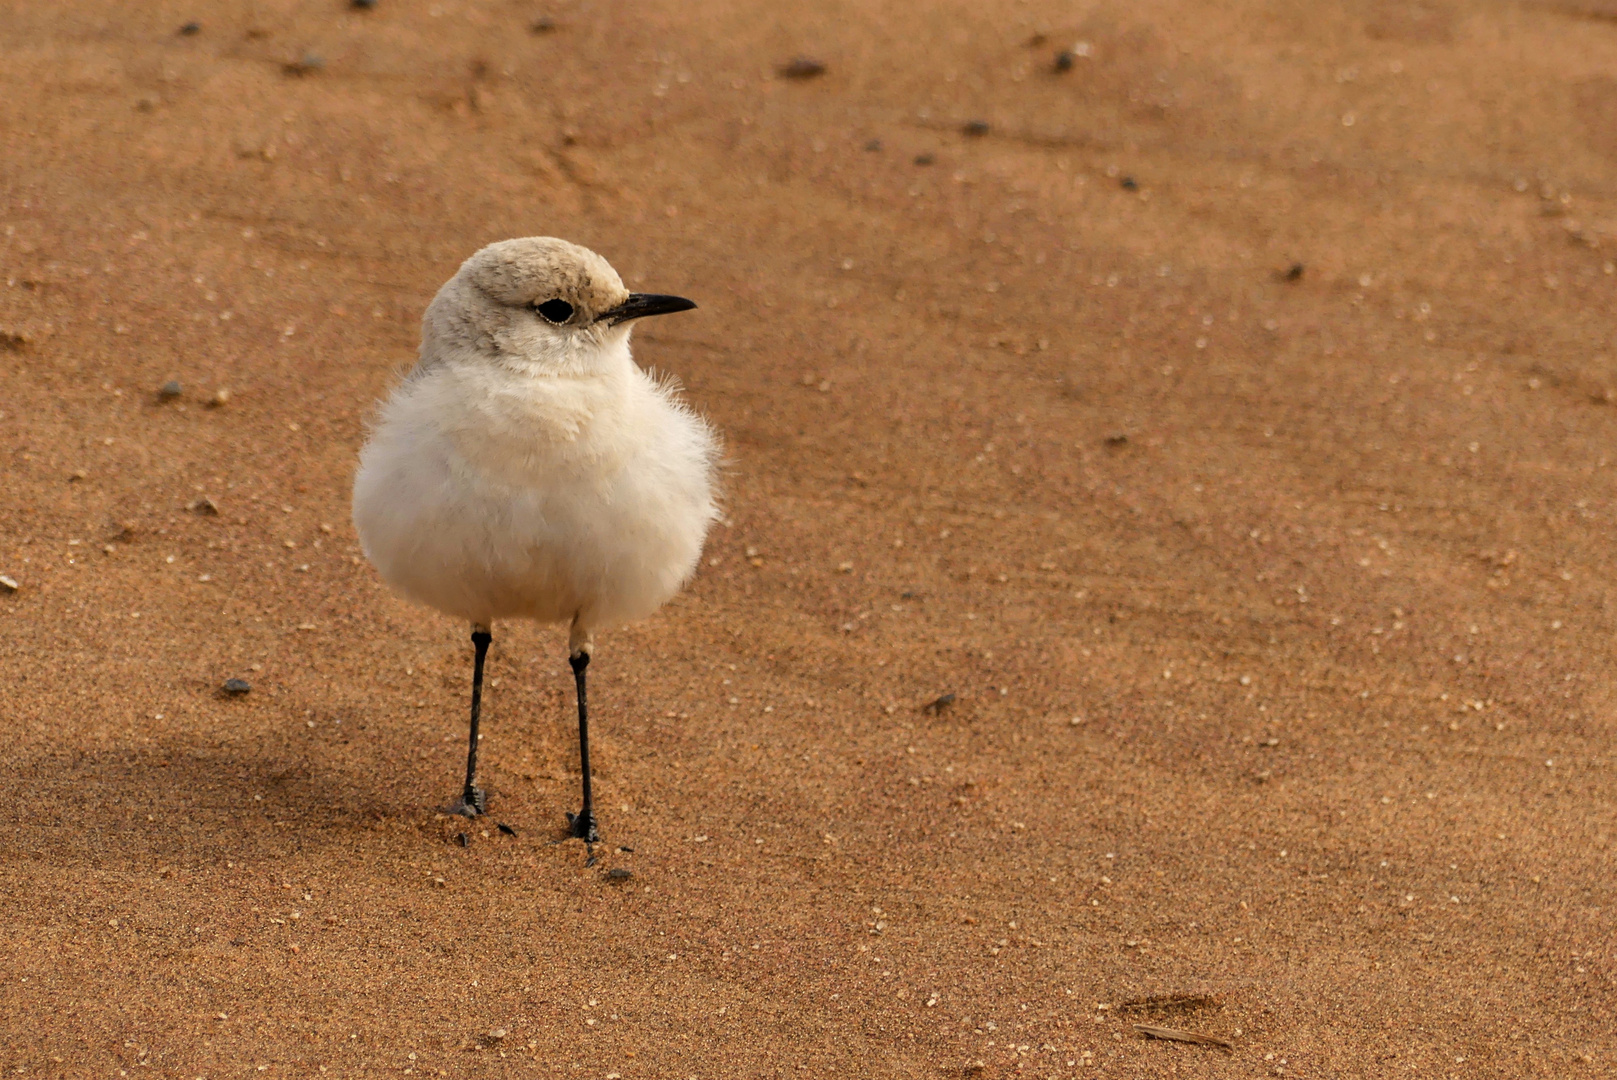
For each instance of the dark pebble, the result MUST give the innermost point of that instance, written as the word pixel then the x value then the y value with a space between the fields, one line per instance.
pixel 236 686
pixel 974 128
pixel 924 159
pixel 939 703
pixel 802 67
pixel 873 145
pixel 204 506
pixel 506 829
pixel 305 64
pixel 630 850
pixel 544 24
pixel 191 28
pixel 170 390
pixel 238 942
pixel 1129 183
pixel 463 840
pixel 363 5
pixel 1116 440
pixel 1295 272
pixel 618 873
pixel 1064 61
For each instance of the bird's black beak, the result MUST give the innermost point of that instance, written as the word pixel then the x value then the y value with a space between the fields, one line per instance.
pixel 639 305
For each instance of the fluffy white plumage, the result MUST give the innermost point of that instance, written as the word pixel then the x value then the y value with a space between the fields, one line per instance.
pixel 528 468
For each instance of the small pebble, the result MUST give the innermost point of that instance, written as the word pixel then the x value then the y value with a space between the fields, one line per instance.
pixel 618 873
pixel 1129 183
pixel 802 67
pixel 1064 60
pixel 924 159
pixel 1295 272
pixel 363 5
pixel 873 145
pixel 506 829
pixel 305 64
pixel 938 704
pixel 497 1034
pixel 221 398
pixel 544 24
pixel 204 506
pixel 191 28
pixel 463 840
pixel 974 128
pixel 170 390
pixel 236 687
pixel 8 584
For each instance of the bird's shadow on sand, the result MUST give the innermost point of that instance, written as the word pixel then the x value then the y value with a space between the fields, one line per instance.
pixel 173 801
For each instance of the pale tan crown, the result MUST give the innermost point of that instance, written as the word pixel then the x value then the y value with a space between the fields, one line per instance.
pixel 533 269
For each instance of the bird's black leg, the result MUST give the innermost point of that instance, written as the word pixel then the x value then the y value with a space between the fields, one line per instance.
pixel 472 800
pixel 582 824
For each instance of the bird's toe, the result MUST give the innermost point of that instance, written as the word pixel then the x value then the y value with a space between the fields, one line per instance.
pixel 583 827
pixel 472 802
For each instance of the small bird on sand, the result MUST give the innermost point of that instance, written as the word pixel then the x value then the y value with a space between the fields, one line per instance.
pixel 527 468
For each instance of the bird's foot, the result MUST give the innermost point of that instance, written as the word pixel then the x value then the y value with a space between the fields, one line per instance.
pixel 582 825
pixel 473 801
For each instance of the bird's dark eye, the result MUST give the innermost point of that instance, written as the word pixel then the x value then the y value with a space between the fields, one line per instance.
pixel 557 311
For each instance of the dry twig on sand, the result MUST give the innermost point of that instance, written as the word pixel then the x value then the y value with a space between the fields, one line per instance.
pixel 1175 1035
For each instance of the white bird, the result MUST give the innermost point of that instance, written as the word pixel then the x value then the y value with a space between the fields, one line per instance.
pixel 527 468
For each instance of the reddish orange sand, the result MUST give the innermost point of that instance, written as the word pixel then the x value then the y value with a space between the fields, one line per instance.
pixel 1228 425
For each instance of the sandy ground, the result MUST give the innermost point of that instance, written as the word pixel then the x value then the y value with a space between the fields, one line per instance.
pixel 1226 421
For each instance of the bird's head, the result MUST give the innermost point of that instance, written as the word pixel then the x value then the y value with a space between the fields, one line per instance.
pixel 538 303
